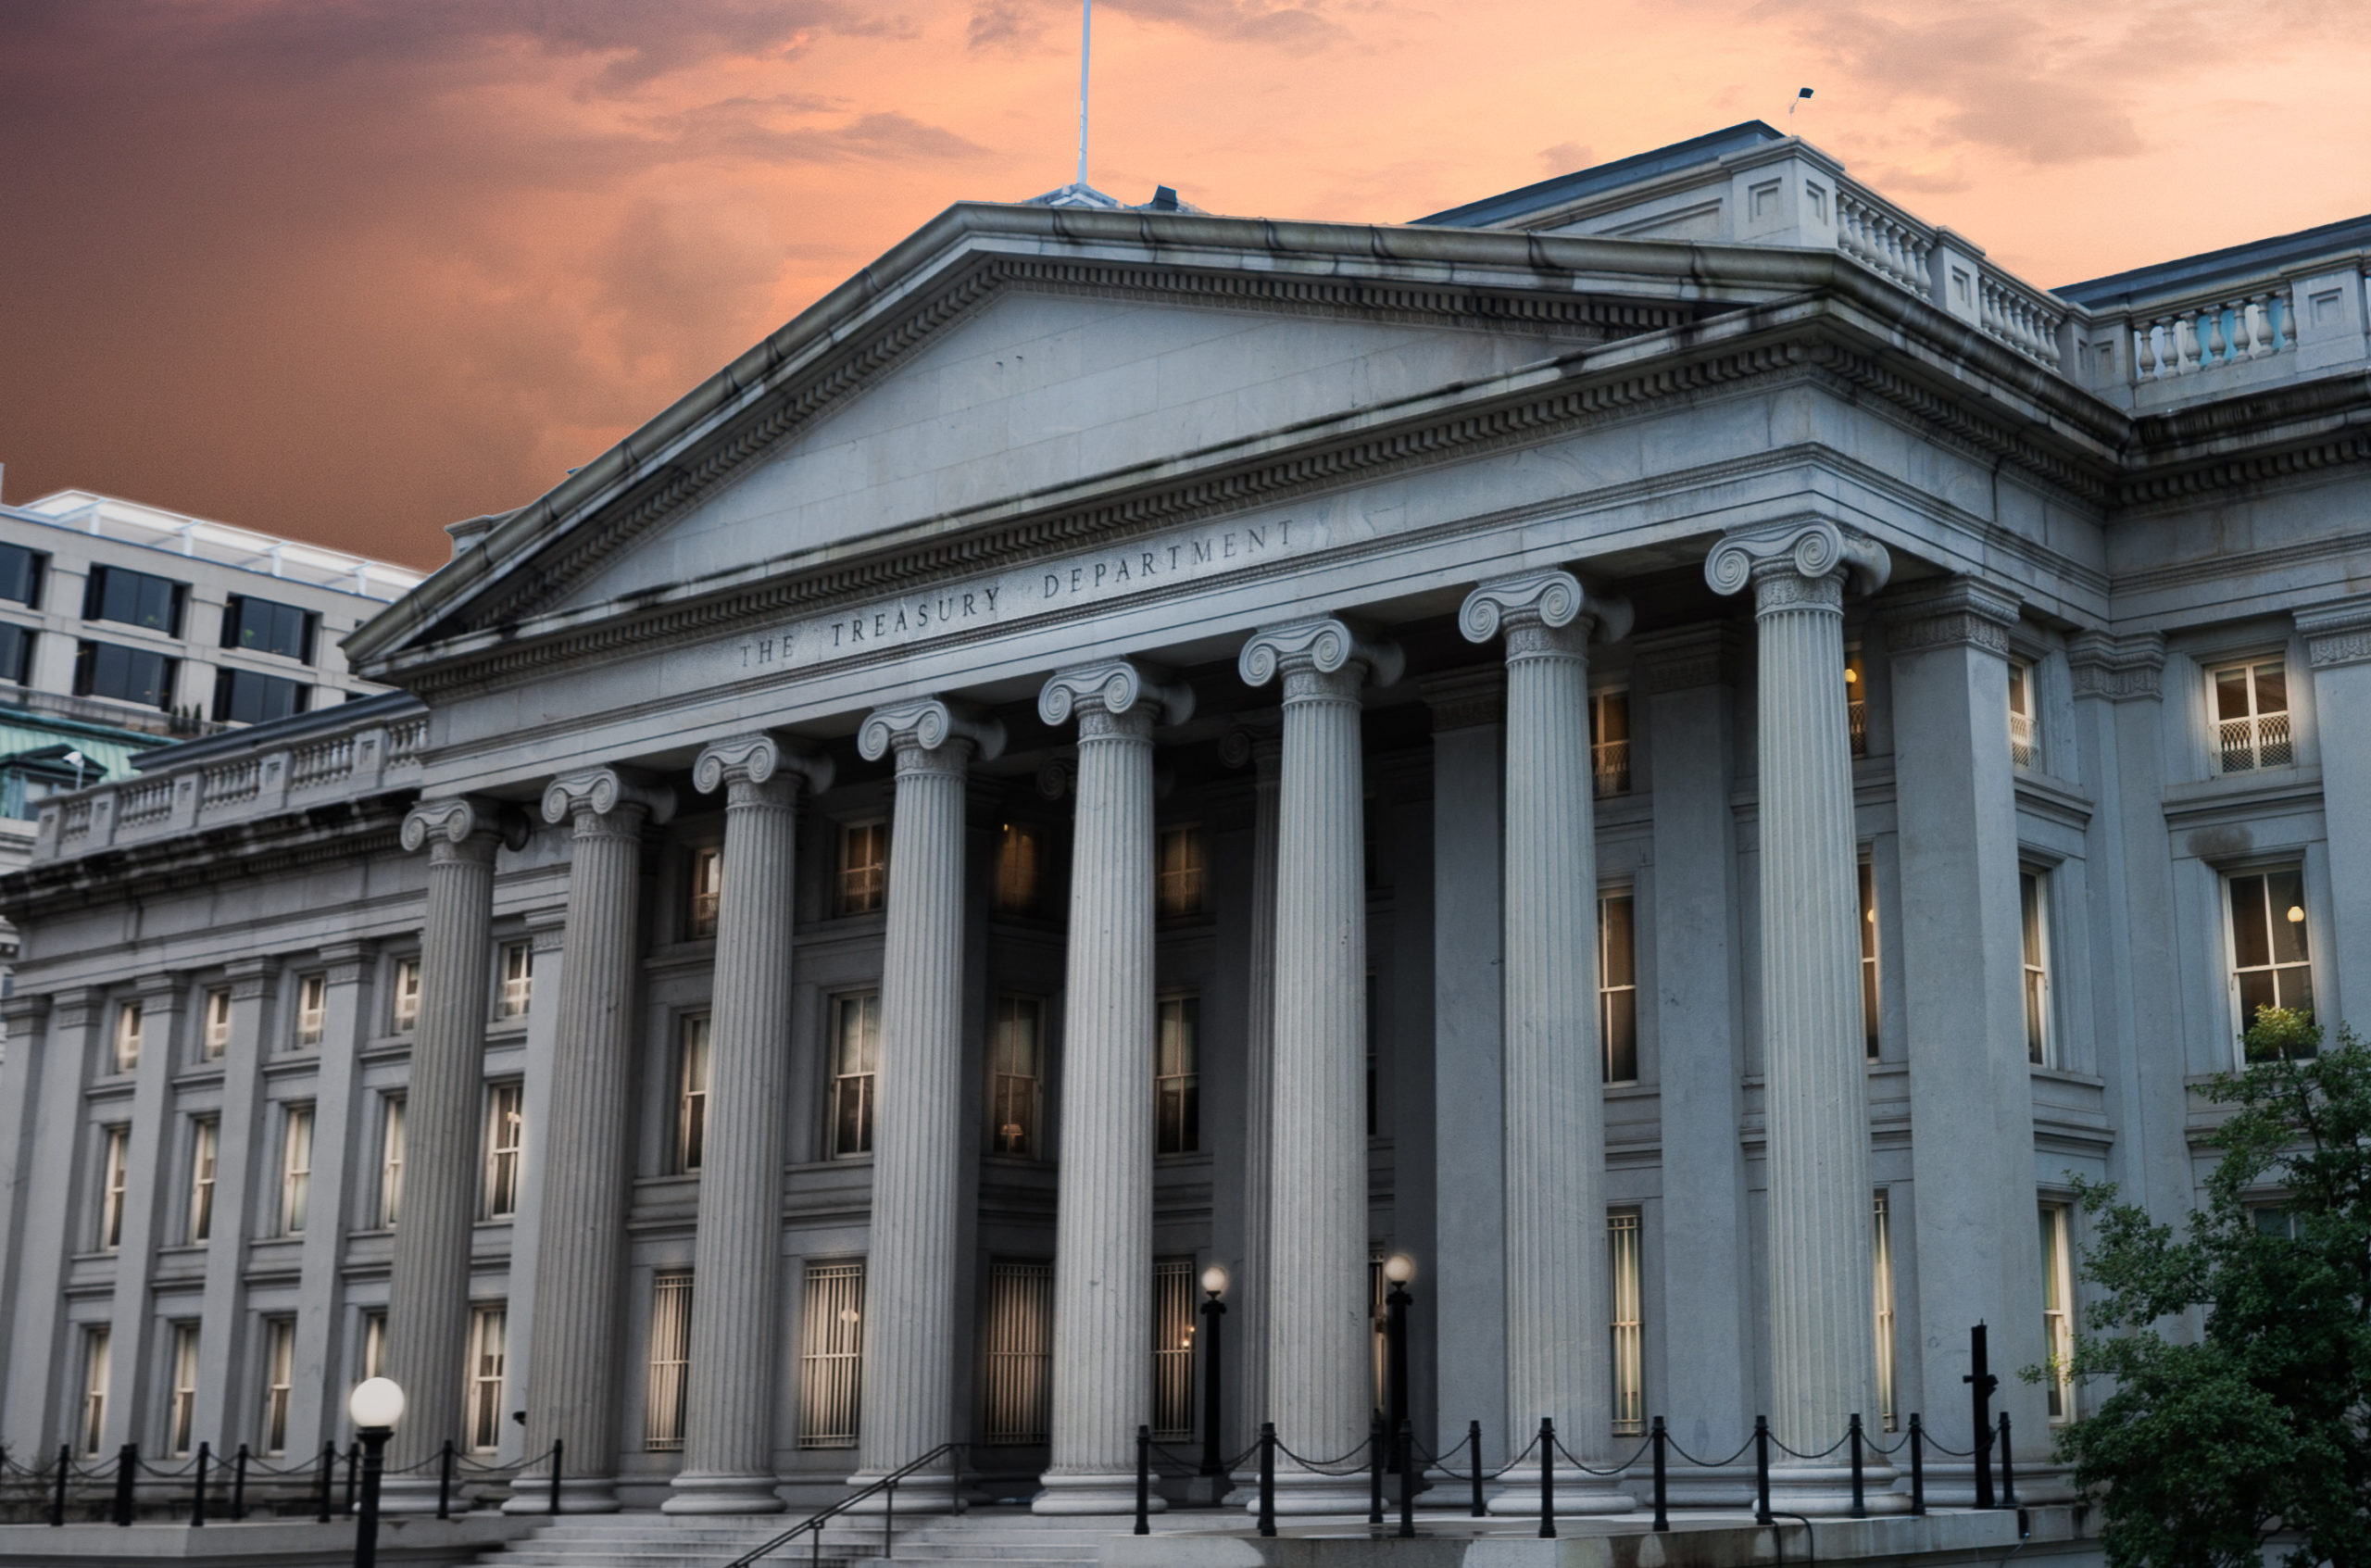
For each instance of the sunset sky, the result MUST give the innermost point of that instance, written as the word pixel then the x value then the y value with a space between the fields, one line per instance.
pixel 351 270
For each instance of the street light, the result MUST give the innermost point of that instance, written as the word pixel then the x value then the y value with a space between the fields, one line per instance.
pixel 1398 1269
pixel 1215 1282
pixel 376 1405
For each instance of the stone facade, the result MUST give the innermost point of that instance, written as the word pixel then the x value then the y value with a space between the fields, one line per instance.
pixel 1680 747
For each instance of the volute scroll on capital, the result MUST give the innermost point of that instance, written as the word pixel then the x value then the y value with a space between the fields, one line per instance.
pixel 460 818
pixel 602 791
pixel 1816 549
pixel 928 723
pixel 755 759
pixel 1326 643
pixel 1554 598
pixel 1118 685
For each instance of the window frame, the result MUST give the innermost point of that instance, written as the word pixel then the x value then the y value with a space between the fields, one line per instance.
pixel 403 1015
pixel 234 608
pixel 36 573
pixel 514 980
pixel 1180 891
pixel 2233 972
pixel 2037 991
pixel 667 1364
pixel 98 1345
pixel 279 1383
pixel 862 1083
pixel 99 583
pixel 2057 1224
pixel 690 1151
pixel 130 1035
pixel 1612 760
pixel 831 1354
pixel 257 696
pixel 89 655
pixel 506 1144
pixel 862 888
pixel 297 1133
pixel 205 1171
pixel 1625 1279
pixel 1610 992
pixel 1019 884
pixel 1873 995
pixel 391 1159
pixel 312 1009
pixel 214 1039
pixel 2262 739
pixel 2024 715
pixel 1187 1080
pixel 703 891
pixel 485 1372
pixel 181 1391
pixel 115 1184
pixel 1022 1139
pixel 1882 1293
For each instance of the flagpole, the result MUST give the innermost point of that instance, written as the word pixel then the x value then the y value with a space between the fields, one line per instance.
pixel 1085 42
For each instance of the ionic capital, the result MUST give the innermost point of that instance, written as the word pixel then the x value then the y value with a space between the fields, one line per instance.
pixel 2337 635
pixel 1324 644
pixel 463 826
pixel 1963 612
pixel 598 791
pixel 1817 552
pixel 926 725
pixel 755 759
pixel 1117 686
pixel 1553 599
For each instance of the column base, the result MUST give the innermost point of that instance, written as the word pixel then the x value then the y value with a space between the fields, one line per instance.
pixel 1692 1486
pixel 1578 1494
pixel 531 1494
pixel 923 1493
pixel 1309 1492
pixel 1106 1493
pixel 415 1494
pixel 1953 1484
pixel 1824 1492
pixel 723 1493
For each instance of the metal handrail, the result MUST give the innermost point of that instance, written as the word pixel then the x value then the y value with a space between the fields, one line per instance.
pixel 815 1522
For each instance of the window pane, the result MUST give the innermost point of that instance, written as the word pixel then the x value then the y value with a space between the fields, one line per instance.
pixel 2294 988
pixel 1622 1036
pixel 2256 990
pixel 2272 689
pixel 2248 939
pixel 2230 694
pixel 2285 892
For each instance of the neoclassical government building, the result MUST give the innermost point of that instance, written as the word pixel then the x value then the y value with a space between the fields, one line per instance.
pixel 1677 745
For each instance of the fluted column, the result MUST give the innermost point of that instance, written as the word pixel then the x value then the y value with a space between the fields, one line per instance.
pixel 428 1293
pixel 1321 1390
pixel 1559 1339
pixel 1103 1227
pixel 1823 1350
pixel 910 1274
pixel 729 1400
pixel 573 1383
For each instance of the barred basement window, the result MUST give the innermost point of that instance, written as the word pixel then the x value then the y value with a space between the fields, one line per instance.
pixel 1177 1078
pixel 1882 1284
pixel 671 1359
pixel 278 1381
pixel 1021 859
pixel 1856 699
pixel 831 1355
pixel 2058 1312
pixel 1617 986
pixel 2251 705
pixel 864 867
pixel 691 1093
pixel 1016 1059
pixel 1021 1353
pixel 117 1169
pixel 489 1349
pixel 205 1143
pixel 1180 878
pixel 218 1024
pixel 180 1419
pixel 1870 1016
pixel 1629 1327
pixel 1609 742
pixel 96 1340
pixel 707 889
pixel 312 1009
pixel 856 1058
pixel 504 1129
pixel 1173 1350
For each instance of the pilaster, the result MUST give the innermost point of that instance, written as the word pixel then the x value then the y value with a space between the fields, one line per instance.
pixel 317 1406
pixel 223 1371
pixel 2338 651
pixel 129 1347
pixel 26 1067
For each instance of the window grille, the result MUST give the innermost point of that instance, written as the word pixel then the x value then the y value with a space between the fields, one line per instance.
pixel 1629 1327
pixel 2058 1312
pixel 1609 742
pixel 857 1058
pixel 2270 964
pixel 1856 699
pixel 1021 1353
pixel 1016 1060
pixel 1177 1080
pixel 1021 855
pixel 489 1348
pixel 671 1359
pixel 129 1025
pixel 407 994
pixel 278 1381
pixel 205 1146
pixel 518 979
pixel 1881 1254
pixel 708 888
pixel 1617 986
pixel 1173 1350
pixel 1180 880
pixel 2032 890
pixel 182 1416
pixel 96 1340
pixel 691 1093
pixel 312 1009
pixel 218 1022
pixel 391 1163
pixel 831 1355
pixel 503 1128
pixel 2251 705
pixel 111 1192
pixel 864 867
pixel 2022 712
pixel 1870 1014
pixel 295 1168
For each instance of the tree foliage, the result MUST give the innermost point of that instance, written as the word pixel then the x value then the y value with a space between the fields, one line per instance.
pixel 2240 1352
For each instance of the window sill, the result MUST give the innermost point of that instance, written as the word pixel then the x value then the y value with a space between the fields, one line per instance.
pixel 2067 1075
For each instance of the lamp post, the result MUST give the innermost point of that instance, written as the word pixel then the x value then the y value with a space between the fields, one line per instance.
pixel 1397 1269
pixel 376 1405
pixel 1215 1282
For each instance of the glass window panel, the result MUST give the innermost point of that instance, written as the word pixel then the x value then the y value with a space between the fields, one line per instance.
pixel 2231 694
pixel 2285 898
pixel 691 1115
pixel 1177 1076
pixel 858 1054
pixel 2272 688
pixel 2250 940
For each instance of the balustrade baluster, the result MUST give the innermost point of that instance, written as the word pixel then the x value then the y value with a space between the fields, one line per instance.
pixel 2216 350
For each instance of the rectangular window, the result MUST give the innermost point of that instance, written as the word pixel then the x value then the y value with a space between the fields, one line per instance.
pixel 489 1348
pixel 22 572
pixel 312 1009
pixel 261 626
pixel 205 1147
pixel 218 1022
pixel 856 1056
pixel 518 979
pixel 671 1359
pixel 1179 882
pixel 1173 1350
pixel 124 674
pixel 503 1126
pixel 295 1168
pixel 1609 742
pixel 706 889
pixel 1021 1353
pixel 1870 1018
pixel 374 1343
pixel 2270 964
pixel 1020 868
pixel 117 1175
pixel 391 1162
pixel 1881 1254
pixel 130 1026
pixel 278 1381
pixel 2250 702
pixel 1629 1327
pixel 1617 986
pixel 1856 699
pixel 407 994
pixel 180 1416
pixel 134 598
pixel 2024 731
pixel 2058 1312
pixel 864 867
pixel 2033 900
pixel 1017 1063
pixel 831 1355
pixel 1177 1076
pixel 243 696
pixel 691 1092
pixel 17 652
pixel 96 1340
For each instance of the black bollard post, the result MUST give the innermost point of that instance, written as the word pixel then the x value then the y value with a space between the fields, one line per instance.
pixel 197 1498
pixel 353 1474
pixel 1144 1479
pixel 1547 1478
pixel 2008 1474
pixel 65 1469
pixel 558 1452
pixel 329 1478
pixel 1761 1470
pixel 444 1481
pixel 1662 1511
pixel 1406 1459
pixel 1852 1430
pixel 1473 1446
pixel 1374 1471
pixel 127 1475
pixel 1980 1383
pixel 1917 1465
pixel 1267 1477
pixel 239 1485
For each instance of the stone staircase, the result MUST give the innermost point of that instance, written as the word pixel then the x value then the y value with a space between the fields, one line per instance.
pixel 983 1538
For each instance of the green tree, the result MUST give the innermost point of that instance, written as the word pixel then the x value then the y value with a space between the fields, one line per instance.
pixel 2257 1420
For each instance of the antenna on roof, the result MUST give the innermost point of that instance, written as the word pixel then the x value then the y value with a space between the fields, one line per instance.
pixel 1800 93
pixel 1086 43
